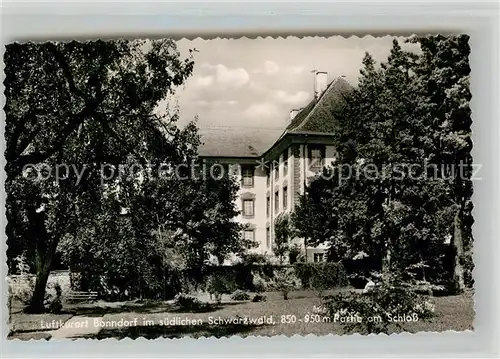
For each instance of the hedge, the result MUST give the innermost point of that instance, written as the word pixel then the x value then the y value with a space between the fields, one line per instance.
pixel 321 275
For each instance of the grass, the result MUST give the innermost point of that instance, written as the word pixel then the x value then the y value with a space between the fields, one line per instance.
pixel 280 318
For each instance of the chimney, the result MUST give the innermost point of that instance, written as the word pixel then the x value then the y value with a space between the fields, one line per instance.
pixel 320 83
pixel 294 113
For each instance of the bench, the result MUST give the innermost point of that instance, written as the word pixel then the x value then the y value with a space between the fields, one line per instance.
pixel 81 296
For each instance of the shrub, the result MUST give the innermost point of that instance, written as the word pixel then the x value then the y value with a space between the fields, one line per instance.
pixel 321 276
pixel 240 295
pixel 55 305
pixel 22 288
pixel 259 298
pixel 388 299
pixel 219 284
pixel 284 281
pixel 189 302
pixel 259 284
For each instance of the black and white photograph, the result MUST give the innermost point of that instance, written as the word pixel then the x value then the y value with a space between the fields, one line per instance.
pixel 171 188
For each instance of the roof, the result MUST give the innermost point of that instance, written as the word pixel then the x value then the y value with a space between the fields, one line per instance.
pixel 318 115
pixel 315 118
pixel 236 142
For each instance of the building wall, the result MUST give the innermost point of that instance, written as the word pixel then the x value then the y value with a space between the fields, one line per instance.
pixel 293 179
pixel 257 192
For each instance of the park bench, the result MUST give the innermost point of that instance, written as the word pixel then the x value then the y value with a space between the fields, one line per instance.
pixel 74 296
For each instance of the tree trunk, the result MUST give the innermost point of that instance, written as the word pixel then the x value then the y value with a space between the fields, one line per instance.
pixel 305 250
pixel 37 300
pixel 458 270
pixel 46 250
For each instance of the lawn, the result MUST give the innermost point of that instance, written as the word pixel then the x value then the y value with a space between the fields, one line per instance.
pixel 277 316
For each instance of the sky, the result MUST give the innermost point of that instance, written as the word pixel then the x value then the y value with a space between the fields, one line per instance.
pixel 256 82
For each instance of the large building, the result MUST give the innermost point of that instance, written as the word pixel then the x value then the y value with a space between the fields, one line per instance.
pixel 274 166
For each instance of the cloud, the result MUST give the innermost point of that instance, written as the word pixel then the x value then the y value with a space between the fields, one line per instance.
pixel 297 69
pixel 203 81
pixel 259 110
pixel 297 98
pixel 270 68
pixel 223 75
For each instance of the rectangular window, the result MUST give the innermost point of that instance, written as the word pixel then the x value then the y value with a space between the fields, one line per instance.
pixel 248 207
pixel 247 173
pixel 249 235
pixel 316 157
pixel 268 206
pixel 285 162
pixel 268 237
pixel 319 257
pixel 276 202
pixel 285 197
pixel 276 170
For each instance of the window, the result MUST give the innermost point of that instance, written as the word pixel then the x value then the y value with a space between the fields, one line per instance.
pixel 268 206
pixel 268 177
pixel 248 235
pixel 285 197
pixel 248 207
pixel 268 237
pixel 316 157
pixel 319 257
pixel 247 176
pixel 276 170
pixel 276 201
pixel 285 162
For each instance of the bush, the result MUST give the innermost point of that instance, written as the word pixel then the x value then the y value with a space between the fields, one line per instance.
pixel 22 288
pixel 189 302
pixel 284 281
pixel 259 298
pixel 259 284
pixel 55 305
pixel 321 276
pixel 388 298
pixel 240 295
pixel 219 284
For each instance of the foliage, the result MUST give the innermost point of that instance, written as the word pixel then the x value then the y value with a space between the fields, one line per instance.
pixel 282 235
pixel 86 116
pixel 219 284
pixel 70 109
pixel 401 185
pixel 21 286
pixel 240 295
pixel 390 302
pixel 294 254
pixel 321 276
pixel 190 303
pixel 259 284
pixel 259 298
pixel 284 281
pixel 55 305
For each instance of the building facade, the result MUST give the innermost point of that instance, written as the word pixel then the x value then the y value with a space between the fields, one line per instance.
pixel 274 167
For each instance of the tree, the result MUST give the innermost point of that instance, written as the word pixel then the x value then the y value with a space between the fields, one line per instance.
pixel 389 193
pixel 70 108
pixel 282 235
pixel 443 74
